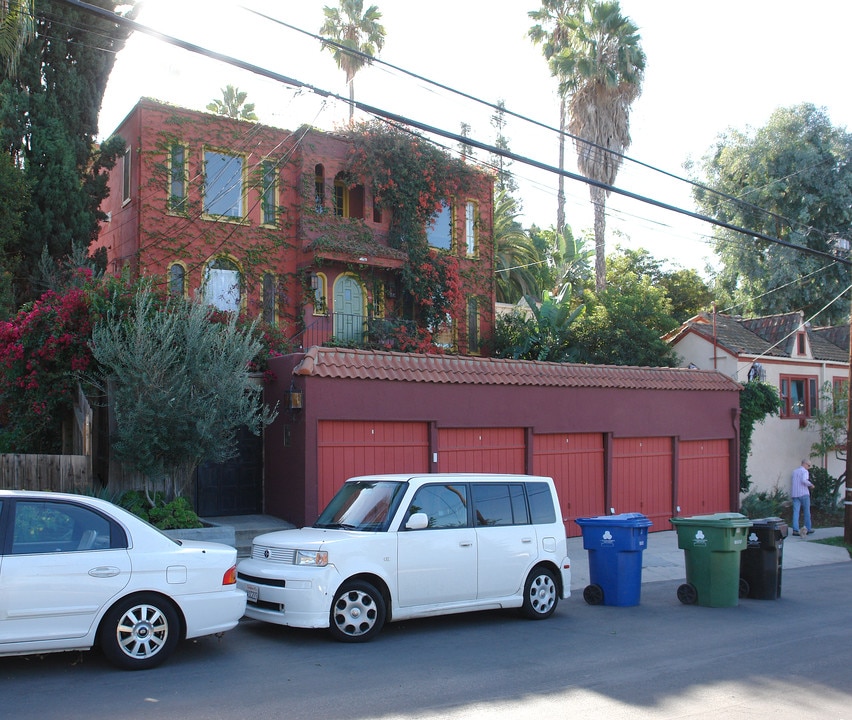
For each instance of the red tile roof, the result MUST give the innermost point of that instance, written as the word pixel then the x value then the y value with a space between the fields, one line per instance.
pixel 350 364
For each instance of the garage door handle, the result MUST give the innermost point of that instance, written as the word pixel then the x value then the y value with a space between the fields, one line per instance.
pixel 104 572
pixel 465 544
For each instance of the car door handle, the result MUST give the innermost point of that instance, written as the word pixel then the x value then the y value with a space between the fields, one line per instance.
pixel 526 540
pixel 105 571
pixel 465 544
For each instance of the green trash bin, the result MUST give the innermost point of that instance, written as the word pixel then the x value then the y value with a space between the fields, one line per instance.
pixel 712 545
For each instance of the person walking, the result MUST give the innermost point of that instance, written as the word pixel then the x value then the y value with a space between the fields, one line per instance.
pixel 801 494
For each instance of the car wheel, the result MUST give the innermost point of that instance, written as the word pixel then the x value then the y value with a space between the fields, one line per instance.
pixel 540 596
pixel 140 632
pixel 357 613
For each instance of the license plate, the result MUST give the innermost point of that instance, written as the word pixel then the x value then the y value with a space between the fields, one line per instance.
pixel 252 592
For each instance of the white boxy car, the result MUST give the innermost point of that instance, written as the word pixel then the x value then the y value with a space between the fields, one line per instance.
pixel 77 571
pixel 394 547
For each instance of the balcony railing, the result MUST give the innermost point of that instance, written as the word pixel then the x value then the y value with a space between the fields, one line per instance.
pixel 356 331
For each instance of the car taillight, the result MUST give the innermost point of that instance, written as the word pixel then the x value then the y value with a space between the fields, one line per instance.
pixel 230 576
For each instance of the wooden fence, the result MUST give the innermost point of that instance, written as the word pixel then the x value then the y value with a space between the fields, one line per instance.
pixel 65 473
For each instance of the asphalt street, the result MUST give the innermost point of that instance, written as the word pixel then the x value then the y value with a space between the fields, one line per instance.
pixel 661 659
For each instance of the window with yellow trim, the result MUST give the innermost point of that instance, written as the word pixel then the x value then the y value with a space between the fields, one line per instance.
pixel 223 285
pixel 470 228
pixel 223 184
pixel 439 234
pixel 269 193
pixel 177 178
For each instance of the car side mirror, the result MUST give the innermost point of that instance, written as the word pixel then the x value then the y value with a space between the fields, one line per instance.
pixel 418 521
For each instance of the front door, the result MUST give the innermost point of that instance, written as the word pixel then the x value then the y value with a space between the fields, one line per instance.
pixel 438 564
pixel 348 309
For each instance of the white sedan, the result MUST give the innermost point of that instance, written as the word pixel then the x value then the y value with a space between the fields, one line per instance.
pixel 77 571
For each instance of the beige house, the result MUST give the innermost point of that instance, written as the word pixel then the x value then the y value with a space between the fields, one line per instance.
pixel 785 351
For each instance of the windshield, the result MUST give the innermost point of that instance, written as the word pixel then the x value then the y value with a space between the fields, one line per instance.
pixel 362 505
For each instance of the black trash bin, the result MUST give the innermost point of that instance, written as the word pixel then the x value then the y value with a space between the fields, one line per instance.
pixel 760 562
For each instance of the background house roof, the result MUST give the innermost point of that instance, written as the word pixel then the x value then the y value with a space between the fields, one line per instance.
pixel 374 365
pixel 770 336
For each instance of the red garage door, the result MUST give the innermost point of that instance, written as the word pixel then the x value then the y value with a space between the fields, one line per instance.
pixel 489 450
pixel 704 477
pixel 576 464
pixel 642 478
pixel 347 448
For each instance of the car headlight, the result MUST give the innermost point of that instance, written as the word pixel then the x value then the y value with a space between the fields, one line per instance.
pixel 315 558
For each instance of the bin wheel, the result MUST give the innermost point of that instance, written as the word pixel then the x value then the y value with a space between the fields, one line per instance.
pixel 687 594
pixel 744 588
pixel 593 594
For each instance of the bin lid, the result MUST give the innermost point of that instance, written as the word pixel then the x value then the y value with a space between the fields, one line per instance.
pixel 768 522
pixel 636 520
pixel 716 519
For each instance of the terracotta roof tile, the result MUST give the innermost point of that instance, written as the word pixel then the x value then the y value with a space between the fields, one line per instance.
pixel 343 363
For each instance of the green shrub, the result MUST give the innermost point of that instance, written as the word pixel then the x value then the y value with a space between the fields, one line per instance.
pixel 824 494
pixel 765 504
pixel 167 516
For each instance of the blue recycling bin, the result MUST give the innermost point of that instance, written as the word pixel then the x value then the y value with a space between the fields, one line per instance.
pixel 615 544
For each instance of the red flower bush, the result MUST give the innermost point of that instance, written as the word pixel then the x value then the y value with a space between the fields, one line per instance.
pixel 42 351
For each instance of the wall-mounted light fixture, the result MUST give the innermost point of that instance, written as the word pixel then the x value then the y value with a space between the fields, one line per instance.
pixel 294 397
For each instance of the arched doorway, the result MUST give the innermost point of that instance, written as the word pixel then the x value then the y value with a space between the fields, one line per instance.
pixel 348 309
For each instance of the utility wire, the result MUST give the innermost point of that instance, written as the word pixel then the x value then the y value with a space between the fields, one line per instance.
pixel 387 115
pixel 374 60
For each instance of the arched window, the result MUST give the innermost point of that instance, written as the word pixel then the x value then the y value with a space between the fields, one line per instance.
pixel 319 285
pixel 222 285
pixel 177 280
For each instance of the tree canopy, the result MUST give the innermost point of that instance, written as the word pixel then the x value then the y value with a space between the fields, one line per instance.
pixel 791 180
pixel 179 384
pixel 233 104
pixel 600 65
pixel 48 123
pixel 358 36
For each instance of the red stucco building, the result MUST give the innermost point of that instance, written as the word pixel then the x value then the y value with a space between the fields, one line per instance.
pixel 273 223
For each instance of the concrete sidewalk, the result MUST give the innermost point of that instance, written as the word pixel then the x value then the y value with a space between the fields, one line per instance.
pixel 662 560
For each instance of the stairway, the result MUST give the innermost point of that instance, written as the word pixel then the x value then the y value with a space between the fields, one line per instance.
pixel 246 527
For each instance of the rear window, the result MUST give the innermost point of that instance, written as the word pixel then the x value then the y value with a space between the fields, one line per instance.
pixel 542 511
pixel 499 504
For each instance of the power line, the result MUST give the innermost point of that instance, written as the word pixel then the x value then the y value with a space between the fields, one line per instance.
pixel 374 60
pixel 424 127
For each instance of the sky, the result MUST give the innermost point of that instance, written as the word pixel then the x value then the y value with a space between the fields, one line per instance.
pixel 710 66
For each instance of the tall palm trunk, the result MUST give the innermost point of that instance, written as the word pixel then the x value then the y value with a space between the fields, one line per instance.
pixel 560 196
pixel 598 196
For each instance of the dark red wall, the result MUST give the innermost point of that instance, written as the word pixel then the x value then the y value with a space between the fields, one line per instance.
pixel 291 470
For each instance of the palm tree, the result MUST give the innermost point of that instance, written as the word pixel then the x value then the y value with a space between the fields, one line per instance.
pixel 356 36
pixel 16 30
pixel 515 256
pixel 600 66
pixel 233 105
pixel 550 32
